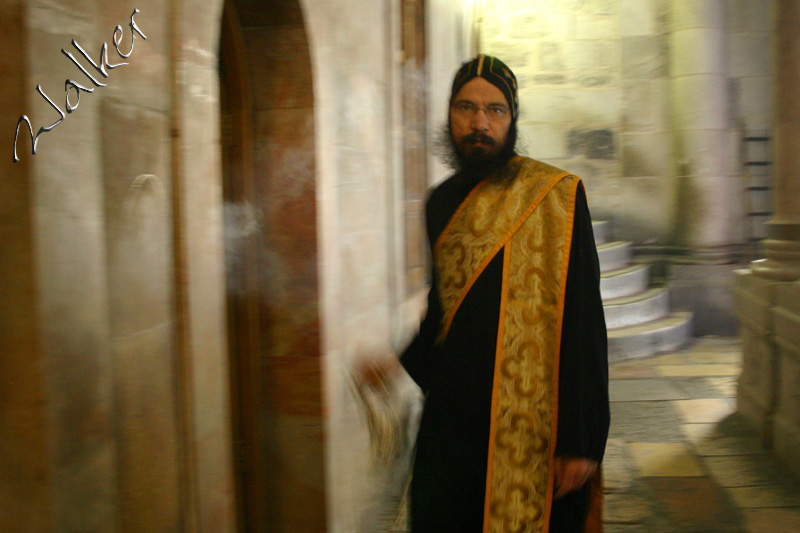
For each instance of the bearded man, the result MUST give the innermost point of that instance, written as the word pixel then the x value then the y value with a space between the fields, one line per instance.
pixel 512 352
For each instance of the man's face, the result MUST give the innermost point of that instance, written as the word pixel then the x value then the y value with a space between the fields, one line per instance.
pixel 479 135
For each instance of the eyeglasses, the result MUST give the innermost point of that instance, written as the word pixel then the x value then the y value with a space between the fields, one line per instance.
pixel 468 110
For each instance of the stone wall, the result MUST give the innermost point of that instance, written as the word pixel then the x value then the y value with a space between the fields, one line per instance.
pixel 115 412
pixel 749 51
pixel 118 218
pixel 767 293
pixel 114 319
pixel 272 236
pixel 787 416
pixel 352 46
pixel 593 98
pixel 649 102
pixel 359 187
pixel 596 98
pixel 450 41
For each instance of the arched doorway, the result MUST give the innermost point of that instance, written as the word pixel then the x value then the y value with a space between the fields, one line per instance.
pixel 267 138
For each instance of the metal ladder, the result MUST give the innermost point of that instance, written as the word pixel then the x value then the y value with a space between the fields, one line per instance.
pixel 757 166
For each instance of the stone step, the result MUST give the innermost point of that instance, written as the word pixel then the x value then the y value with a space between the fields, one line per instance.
pixel 627 281
pixel 637 309
pixel 614 255
pixel 600 228
pixel 651 338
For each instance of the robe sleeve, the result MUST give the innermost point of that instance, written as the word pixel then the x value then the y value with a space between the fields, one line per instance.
pixel 583 408
pixel 419 358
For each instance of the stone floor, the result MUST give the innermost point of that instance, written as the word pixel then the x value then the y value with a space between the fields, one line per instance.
pixel 678 456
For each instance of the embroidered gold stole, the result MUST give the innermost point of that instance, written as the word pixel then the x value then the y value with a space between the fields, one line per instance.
pixel 529 217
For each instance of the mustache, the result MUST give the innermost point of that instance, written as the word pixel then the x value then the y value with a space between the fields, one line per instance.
pixel 477 136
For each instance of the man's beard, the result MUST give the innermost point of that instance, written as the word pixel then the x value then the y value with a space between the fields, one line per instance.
pixel 480 162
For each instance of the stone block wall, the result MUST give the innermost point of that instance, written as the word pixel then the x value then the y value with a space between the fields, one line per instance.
pixel 767 395
pixel 288 440
pixel 356 59
pixel 123 388
pixel 599 98
pixel 449 41
pixel 648 101
pixel 114 326
pixel 750 62
pixel 351 50
pixel 754 299
pixel 787 418
pixel 594 100
pixel 750 50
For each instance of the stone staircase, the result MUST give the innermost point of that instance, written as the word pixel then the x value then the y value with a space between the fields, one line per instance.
pixel 638 317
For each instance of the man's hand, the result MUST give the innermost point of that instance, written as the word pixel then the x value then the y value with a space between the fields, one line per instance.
pixel 571 473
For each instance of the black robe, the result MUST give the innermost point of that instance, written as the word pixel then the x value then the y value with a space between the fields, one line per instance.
pixel 449 475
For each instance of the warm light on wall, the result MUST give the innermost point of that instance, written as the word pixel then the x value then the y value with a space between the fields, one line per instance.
pixel 475 10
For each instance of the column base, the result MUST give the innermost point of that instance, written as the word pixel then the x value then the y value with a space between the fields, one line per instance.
pixel 787 337
pixel 758 417
pixel 754 298
pixel 787 445
pixel 705 290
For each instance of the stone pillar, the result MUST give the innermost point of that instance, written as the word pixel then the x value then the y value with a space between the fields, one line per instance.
pixel 783 246
pixel 702 136
pixel 703 144
pixel 767 293
pixel 70 290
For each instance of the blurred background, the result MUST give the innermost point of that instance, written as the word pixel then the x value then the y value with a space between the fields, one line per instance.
pixel 206 243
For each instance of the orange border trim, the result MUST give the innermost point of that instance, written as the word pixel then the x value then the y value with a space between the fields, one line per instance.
pixel 562 290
